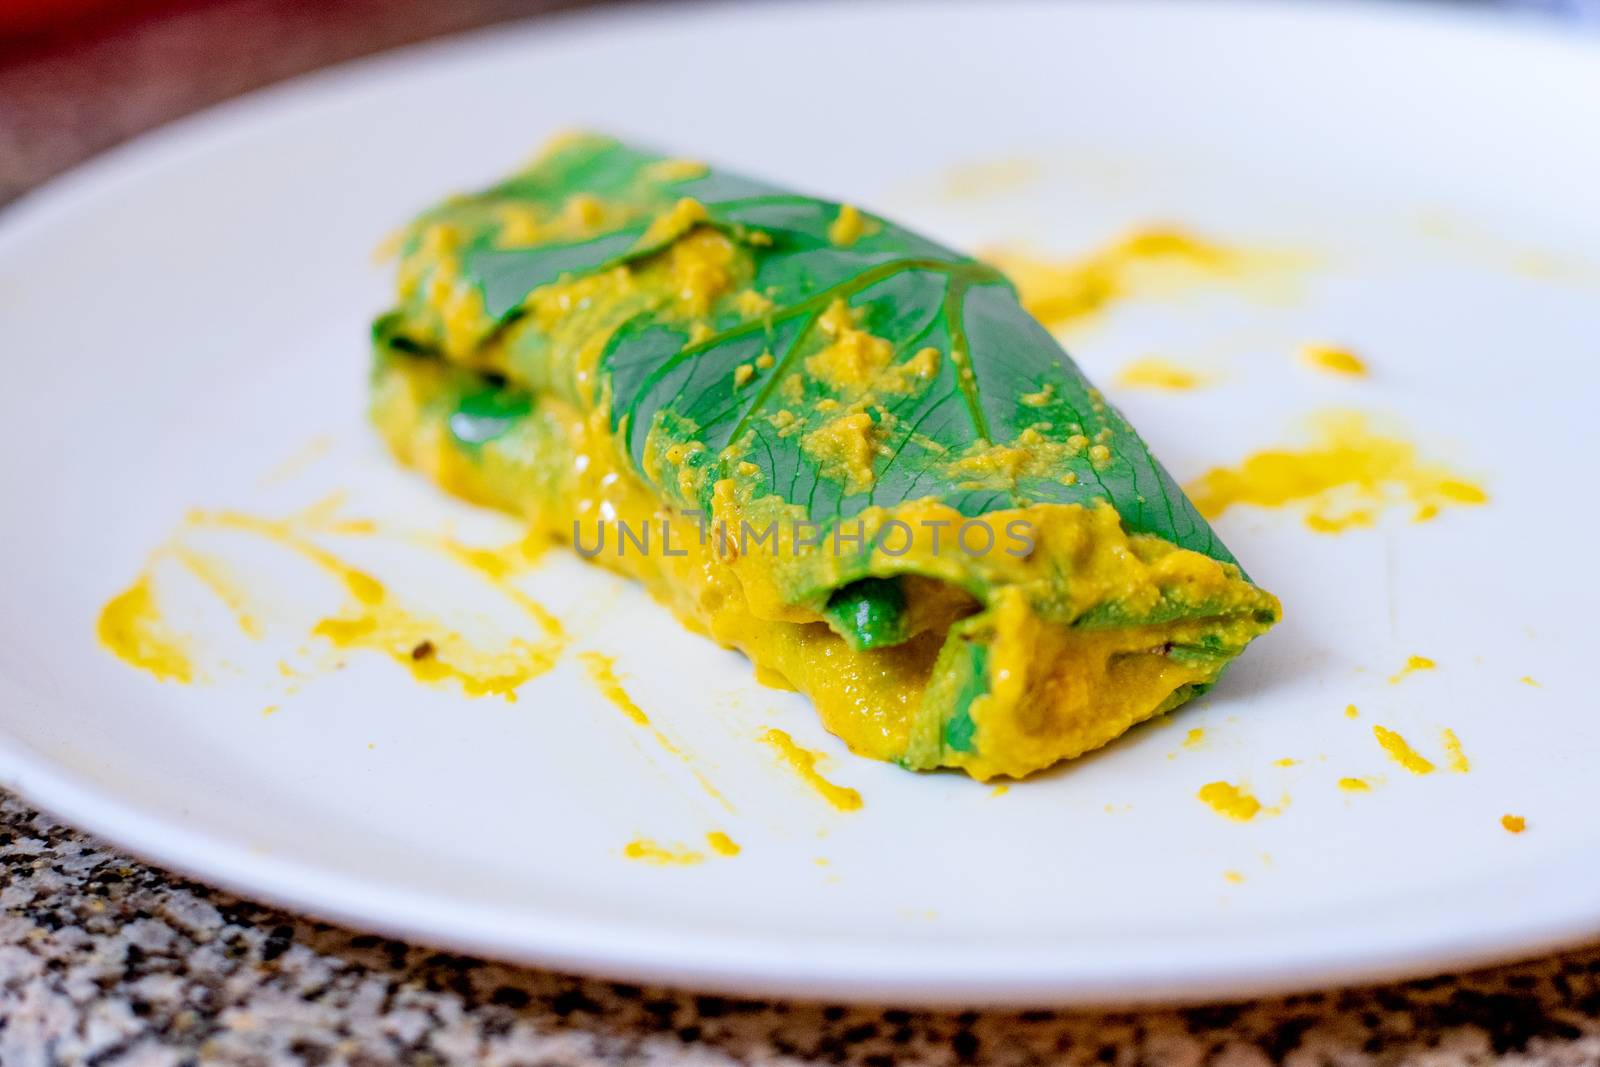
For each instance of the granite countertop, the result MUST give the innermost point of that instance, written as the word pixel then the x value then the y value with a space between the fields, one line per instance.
pixel 106 960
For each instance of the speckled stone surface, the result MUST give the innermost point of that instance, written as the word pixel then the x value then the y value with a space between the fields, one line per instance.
pixel 105 960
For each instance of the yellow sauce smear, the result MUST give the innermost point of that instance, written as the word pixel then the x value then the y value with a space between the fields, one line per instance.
pixel 1149 261
pixel 372 618
pixel 302 458
pixel 1153 372
pixel 1401 752
pixel 1355 785
pixel 133 628
pixel 1334 360
pixel 645 850
pixel 1528 680
pixel 990 177
pixel 804 762
pixel 498 566
pixel 1194 738
pixel 1344 479
pixel 1413 665
pixel 1452 746
pixel 218 576
pixel 1233 801
pixel 1514 823
pixel 602 671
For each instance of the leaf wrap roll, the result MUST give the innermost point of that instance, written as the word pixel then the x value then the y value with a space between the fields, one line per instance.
pixel 860 461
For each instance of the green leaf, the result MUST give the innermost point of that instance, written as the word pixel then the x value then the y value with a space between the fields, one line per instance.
pixel 910 291
pixel 483 416
pixel 869 613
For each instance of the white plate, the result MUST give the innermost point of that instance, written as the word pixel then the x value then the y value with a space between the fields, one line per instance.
pixel 184 314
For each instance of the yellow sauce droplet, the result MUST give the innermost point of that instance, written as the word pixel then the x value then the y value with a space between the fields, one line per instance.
pixel 268 710
pixel 804 762
pixel 1413 665
pixel 1344 479
pixel 1230 800
pixel 849 227
pixel 845 449
pixel 131 626
pixel 1285 762
pixel 1154 373
pixel 1355 785
pixel 1514 823
pixel 1526 680
pixel 645 850
pixel 1452 746
pixel 1334 360
pixel 1350 712
pixel 1401 752
pixel 1149 261
pixel 1194 738
pixel 683 216
pixel 722 844
pixel 1233 877
pixel 675 170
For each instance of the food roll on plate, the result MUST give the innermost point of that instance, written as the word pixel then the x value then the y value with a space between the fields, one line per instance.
pixel 817 437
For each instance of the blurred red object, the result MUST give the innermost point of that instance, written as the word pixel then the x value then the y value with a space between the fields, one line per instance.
pixel 25 18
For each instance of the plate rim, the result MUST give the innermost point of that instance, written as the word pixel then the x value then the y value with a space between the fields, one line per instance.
pixel 655 953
